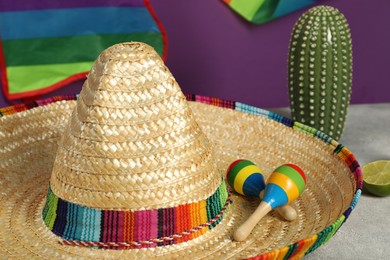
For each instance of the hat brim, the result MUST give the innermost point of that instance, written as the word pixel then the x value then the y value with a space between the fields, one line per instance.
pixel 29 142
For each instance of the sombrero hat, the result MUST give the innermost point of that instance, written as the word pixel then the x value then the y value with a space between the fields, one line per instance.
pixel 132 169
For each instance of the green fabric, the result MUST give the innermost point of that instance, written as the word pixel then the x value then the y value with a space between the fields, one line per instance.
pixel 336 225
pixel 35 51
pixel 45 36
pixel 50 214
pixel 29 78
pixel 266 11
pixel 223 193
pixel 246 8
pixel 261 11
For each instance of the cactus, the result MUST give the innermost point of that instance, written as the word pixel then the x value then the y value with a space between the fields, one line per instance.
pixel 320 70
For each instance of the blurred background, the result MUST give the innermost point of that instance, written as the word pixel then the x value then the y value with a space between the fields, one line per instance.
pixel 213 51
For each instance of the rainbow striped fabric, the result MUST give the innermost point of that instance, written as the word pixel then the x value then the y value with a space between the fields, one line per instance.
pixel 261 11
pixel 116 229
pixel 48 44
pixel 302 247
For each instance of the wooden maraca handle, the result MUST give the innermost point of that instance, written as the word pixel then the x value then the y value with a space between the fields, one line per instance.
pixel 246 228
pixel 286 211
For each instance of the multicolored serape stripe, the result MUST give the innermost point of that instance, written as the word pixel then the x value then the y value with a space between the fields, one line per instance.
pixel 299 248
pixel 305 246
pixel 25 106
pixel 118 229
pixel 45 45
pixel 261 11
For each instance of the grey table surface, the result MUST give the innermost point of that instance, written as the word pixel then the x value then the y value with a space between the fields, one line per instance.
pixel 366 233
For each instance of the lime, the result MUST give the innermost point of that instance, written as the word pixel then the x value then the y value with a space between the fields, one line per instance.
pixel 376 177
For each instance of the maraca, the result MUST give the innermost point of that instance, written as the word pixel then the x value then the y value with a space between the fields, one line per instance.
pixel 246 179
pixel 284 185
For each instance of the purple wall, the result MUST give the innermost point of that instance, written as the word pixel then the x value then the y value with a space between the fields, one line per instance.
pixel 213 52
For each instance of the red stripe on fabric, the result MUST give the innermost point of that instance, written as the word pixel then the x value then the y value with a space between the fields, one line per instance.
pixel 30 99
pixel 109 228
pixel 169 224
pixel 60 84
pixel 183 222
pixel 114 225
pixel 300 245
pixel 128 232
pixel 43 102
pixel 350 158
pixel 104 228
pixel 178 227
pixel 266 256
pixel 161 27
pixel 3 69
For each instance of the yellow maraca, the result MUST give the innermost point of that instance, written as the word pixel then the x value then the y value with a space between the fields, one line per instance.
pixel 284 185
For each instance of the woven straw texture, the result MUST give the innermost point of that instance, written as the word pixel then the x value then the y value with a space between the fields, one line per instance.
pixel 132 142
pixel 92 131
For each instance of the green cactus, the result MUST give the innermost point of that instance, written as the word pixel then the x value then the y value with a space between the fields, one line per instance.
pixel 320 70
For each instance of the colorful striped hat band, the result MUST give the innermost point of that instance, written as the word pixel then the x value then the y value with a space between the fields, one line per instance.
pixel 118 229
pixel 133 169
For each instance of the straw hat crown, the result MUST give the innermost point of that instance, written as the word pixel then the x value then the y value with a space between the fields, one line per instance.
pixel 132 142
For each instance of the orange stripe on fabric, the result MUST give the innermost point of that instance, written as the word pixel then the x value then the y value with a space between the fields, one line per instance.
pixel 215 102
pixel 342 156
pixel 196 219
pixel 268 256
pixel 304 245
pixel 129 223
pixel 282 253
pixel 203 215
pixel 188 216
pixel 182 222
pixel 178 225
pixel 350 158
pixel 346 151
